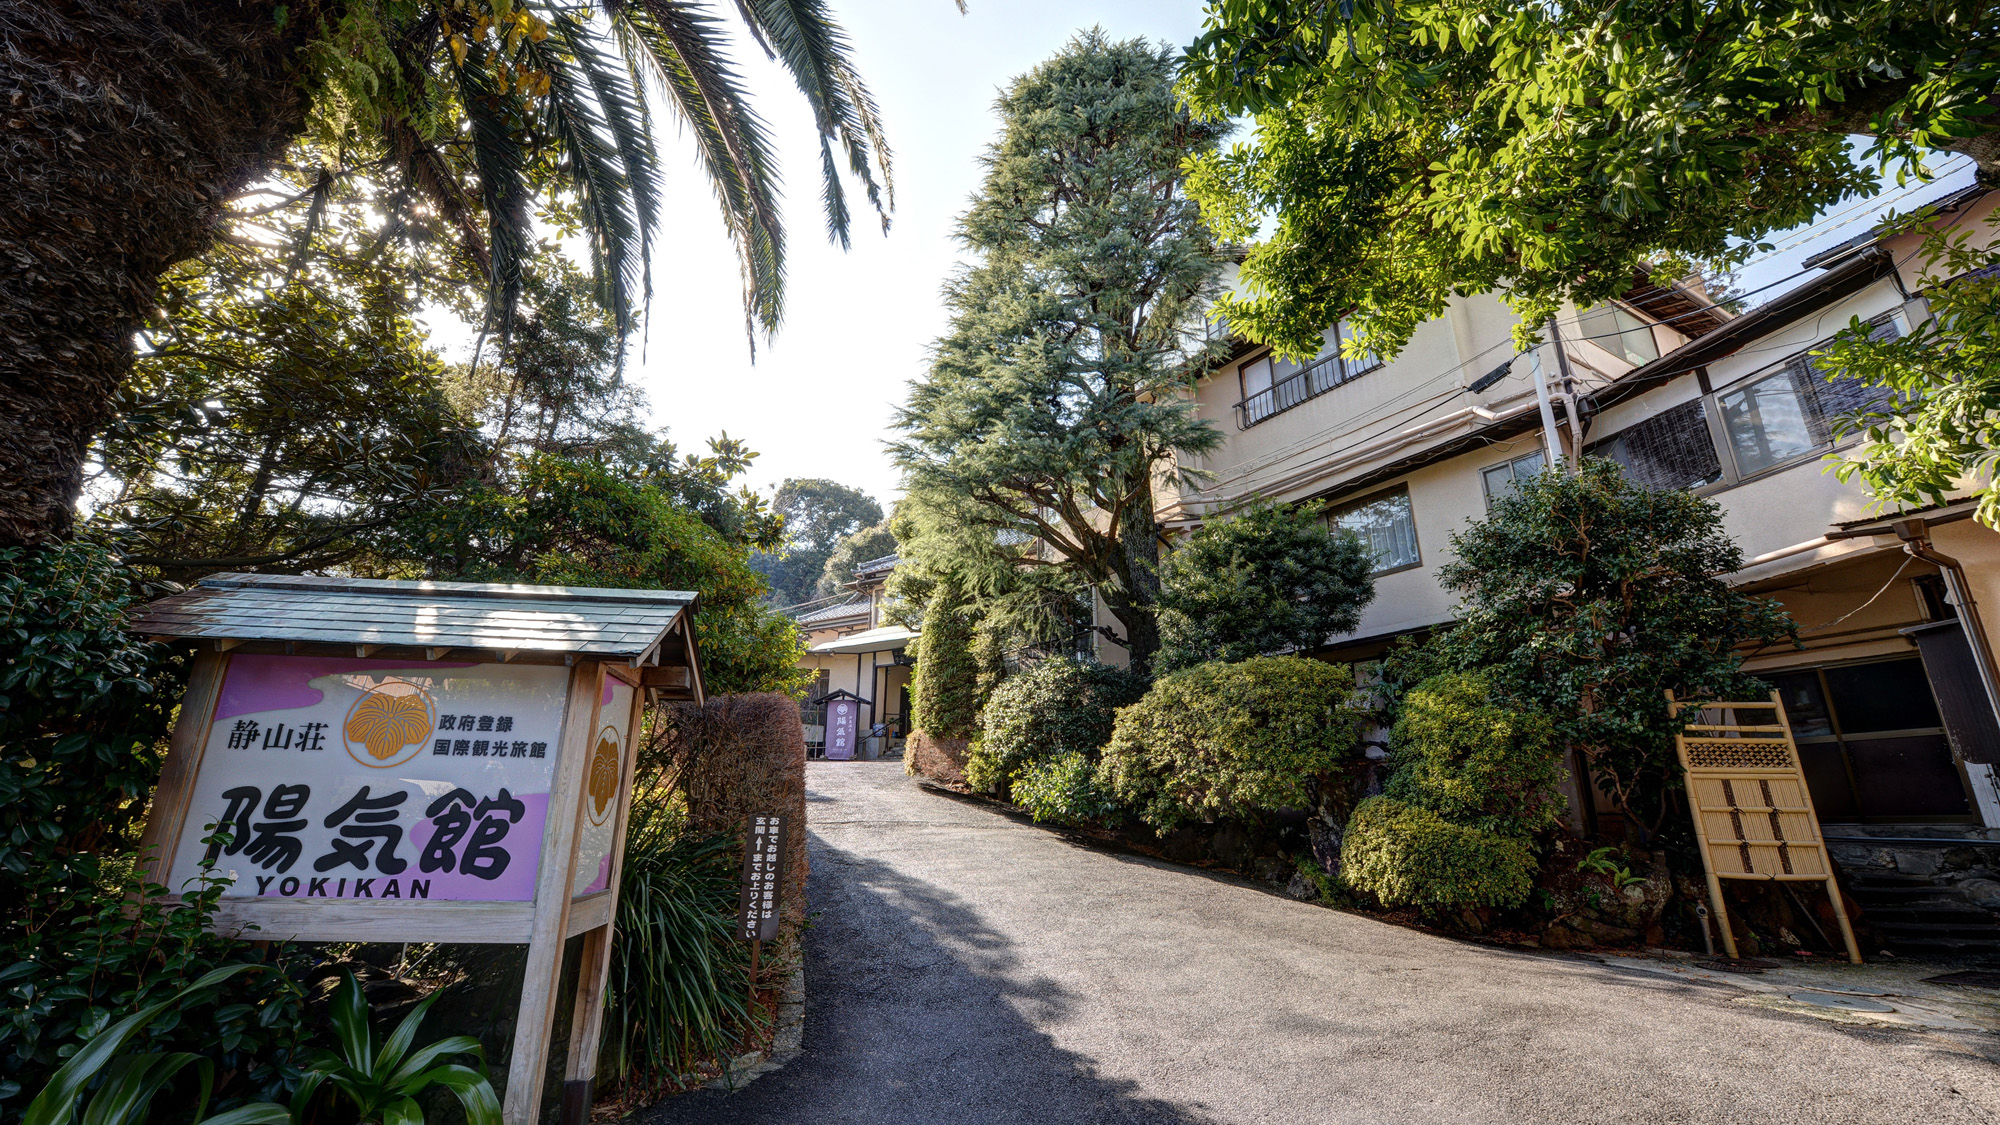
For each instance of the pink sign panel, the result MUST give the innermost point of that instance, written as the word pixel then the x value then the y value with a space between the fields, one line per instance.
pixel 375 779
pixel 842 717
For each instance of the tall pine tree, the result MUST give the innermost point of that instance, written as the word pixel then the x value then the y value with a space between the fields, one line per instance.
pixel 1056 398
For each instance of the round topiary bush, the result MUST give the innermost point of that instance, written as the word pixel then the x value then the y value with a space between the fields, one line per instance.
pixel 1474 760
pixel 1405 855
pixel 1056 707
pixel 1224 740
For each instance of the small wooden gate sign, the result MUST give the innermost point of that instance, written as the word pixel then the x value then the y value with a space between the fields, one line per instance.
pixel 1753 815
pixel 419 761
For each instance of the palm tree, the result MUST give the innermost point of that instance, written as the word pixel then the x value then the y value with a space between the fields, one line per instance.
pixel 127 125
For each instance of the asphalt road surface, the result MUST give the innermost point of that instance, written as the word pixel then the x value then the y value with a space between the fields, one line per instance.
pixel 963 966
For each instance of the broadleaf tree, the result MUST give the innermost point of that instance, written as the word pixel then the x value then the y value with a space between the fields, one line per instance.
pixel 818 514
pixel 1055 399
pixel 1411 150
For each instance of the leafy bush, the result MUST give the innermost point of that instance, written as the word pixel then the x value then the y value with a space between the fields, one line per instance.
pixel 1474 761
pixel 1584 597
pixel 1269 580
pixel 1410 856
pixel 1474 780
pixel 944 692
pixel 1222 740
pixel 383 1080
pixel 1061 789
pixel 84 707
pixel 679 979
pixel 1056 707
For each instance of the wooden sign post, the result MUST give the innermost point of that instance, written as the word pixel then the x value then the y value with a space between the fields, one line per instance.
pixel 1753 815
pixel 402 761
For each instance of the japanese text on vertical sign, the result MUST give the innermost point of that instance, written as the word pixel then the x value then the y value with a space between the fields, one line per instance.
pixel 763 874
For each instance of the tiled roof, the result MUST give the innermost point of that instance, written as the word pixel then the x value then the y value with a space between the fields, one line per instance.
pixel 366 611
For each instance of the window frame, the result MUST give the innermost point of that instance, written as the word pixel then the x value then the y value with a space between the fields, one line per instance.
pixel 1718 429
pixel 1314 384
pixel 1416 540
pixel 1485 486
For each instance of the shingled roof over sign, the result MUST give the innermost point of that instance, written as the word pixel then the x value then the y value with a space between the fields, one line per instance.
pixel 361 616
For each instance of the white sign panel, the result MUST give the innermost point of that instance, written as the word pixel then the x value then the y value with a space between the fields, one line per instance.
pixel 375 779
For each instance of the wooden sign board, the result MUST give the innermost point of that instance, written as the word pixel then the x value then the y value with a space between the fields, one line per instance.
pixel 1753 815
pixel 397 761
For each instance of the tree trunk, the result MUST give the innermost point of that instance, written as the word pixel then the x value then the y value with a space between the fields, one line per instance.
pixel 1135 601
pixel 124 127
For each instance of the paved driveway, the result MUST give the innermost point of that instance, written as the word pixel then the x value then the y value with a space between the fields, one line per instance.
pixel 966 967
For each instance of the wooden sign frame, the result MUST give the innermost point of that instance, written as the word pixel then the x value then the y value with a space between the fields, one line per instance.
pixel 544 924
pixel 1753 814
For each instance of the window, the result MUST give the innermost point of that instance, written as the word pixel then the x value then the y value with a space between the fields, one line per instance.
pixel 1273 386
pixel 1672 449
pixel 1789 413
pixel 1615 329
pixel 1500 480
pixel 1387 527
pixel 1871 742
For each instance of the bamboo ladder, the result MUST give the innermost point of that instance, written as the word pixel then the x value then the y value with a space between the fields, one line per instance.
pixel 1753 815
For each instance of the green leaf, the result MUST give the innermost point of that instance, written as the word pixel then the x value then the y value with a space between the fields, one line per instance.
pixel 348 1009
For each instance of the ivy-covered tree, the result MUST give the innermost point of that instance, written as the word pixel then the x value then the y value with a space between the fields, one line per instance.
pixel 944 690
pixel 1415 149
pixel 1054 401
pixel 1269 580
pixel 1583 598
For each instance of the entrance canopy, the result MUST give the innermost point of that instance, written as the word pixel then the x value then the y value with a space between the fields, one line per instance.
pixel 888 638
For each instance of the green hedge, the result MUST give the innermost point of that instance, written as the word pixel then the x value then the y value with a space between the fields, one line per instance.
pixel 1474 760
pixel 944 690
pixel 1055 708
pixel 1062 790
pixel 1410 856
pixel 1221 740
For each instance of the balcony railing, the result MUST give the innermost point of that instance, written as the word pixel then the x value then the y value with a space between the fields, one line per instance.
pixel 1306 382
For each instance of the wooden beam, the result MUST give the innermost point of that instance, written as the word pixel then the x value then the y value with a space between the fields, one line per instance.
pixel 676 676
pixel 437 653
pixel 176 787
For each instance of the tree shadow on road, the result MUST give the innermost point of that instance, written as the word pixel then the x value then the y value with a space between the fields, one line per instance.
pixel 918 1012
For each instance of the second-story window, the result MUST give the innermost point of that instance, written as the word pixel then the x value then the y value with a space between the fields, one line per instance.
pixel 1618 331
pixel 1499 481
pixel 1672 449
pixel 1387 526
pixel 1788 414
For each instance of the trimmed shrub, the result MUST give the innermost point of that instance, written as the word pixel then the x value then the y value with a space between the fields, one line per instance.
pixel 944 691
pixel 1056 707
pixel 1410 856
pixel 1269 580
pixel 1475 761
pixel 1062 789
pixel 1224 740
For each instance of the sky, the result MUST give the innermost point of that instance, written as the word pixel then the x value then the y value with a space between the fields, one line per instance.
pixel 819 399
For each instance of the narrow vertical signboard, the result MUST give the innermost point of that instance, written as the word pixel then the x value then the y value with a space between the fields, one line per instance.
pixel 842 717
pixel 763 876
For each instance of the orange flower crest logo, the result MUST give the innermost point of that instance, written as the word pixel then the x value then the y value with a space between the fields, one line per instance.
pixel 388 719
pixel 603 773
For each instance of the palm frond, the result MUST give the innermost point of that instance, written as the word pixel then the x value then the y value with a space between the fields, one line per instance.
pixel 805 37
pixel 682 46
pixel 501 158
pixel 591 112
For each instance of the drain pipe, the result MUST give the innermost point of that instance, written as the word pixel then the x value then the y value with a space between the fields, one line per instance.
pixel 1916 537
pixel 1550 438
